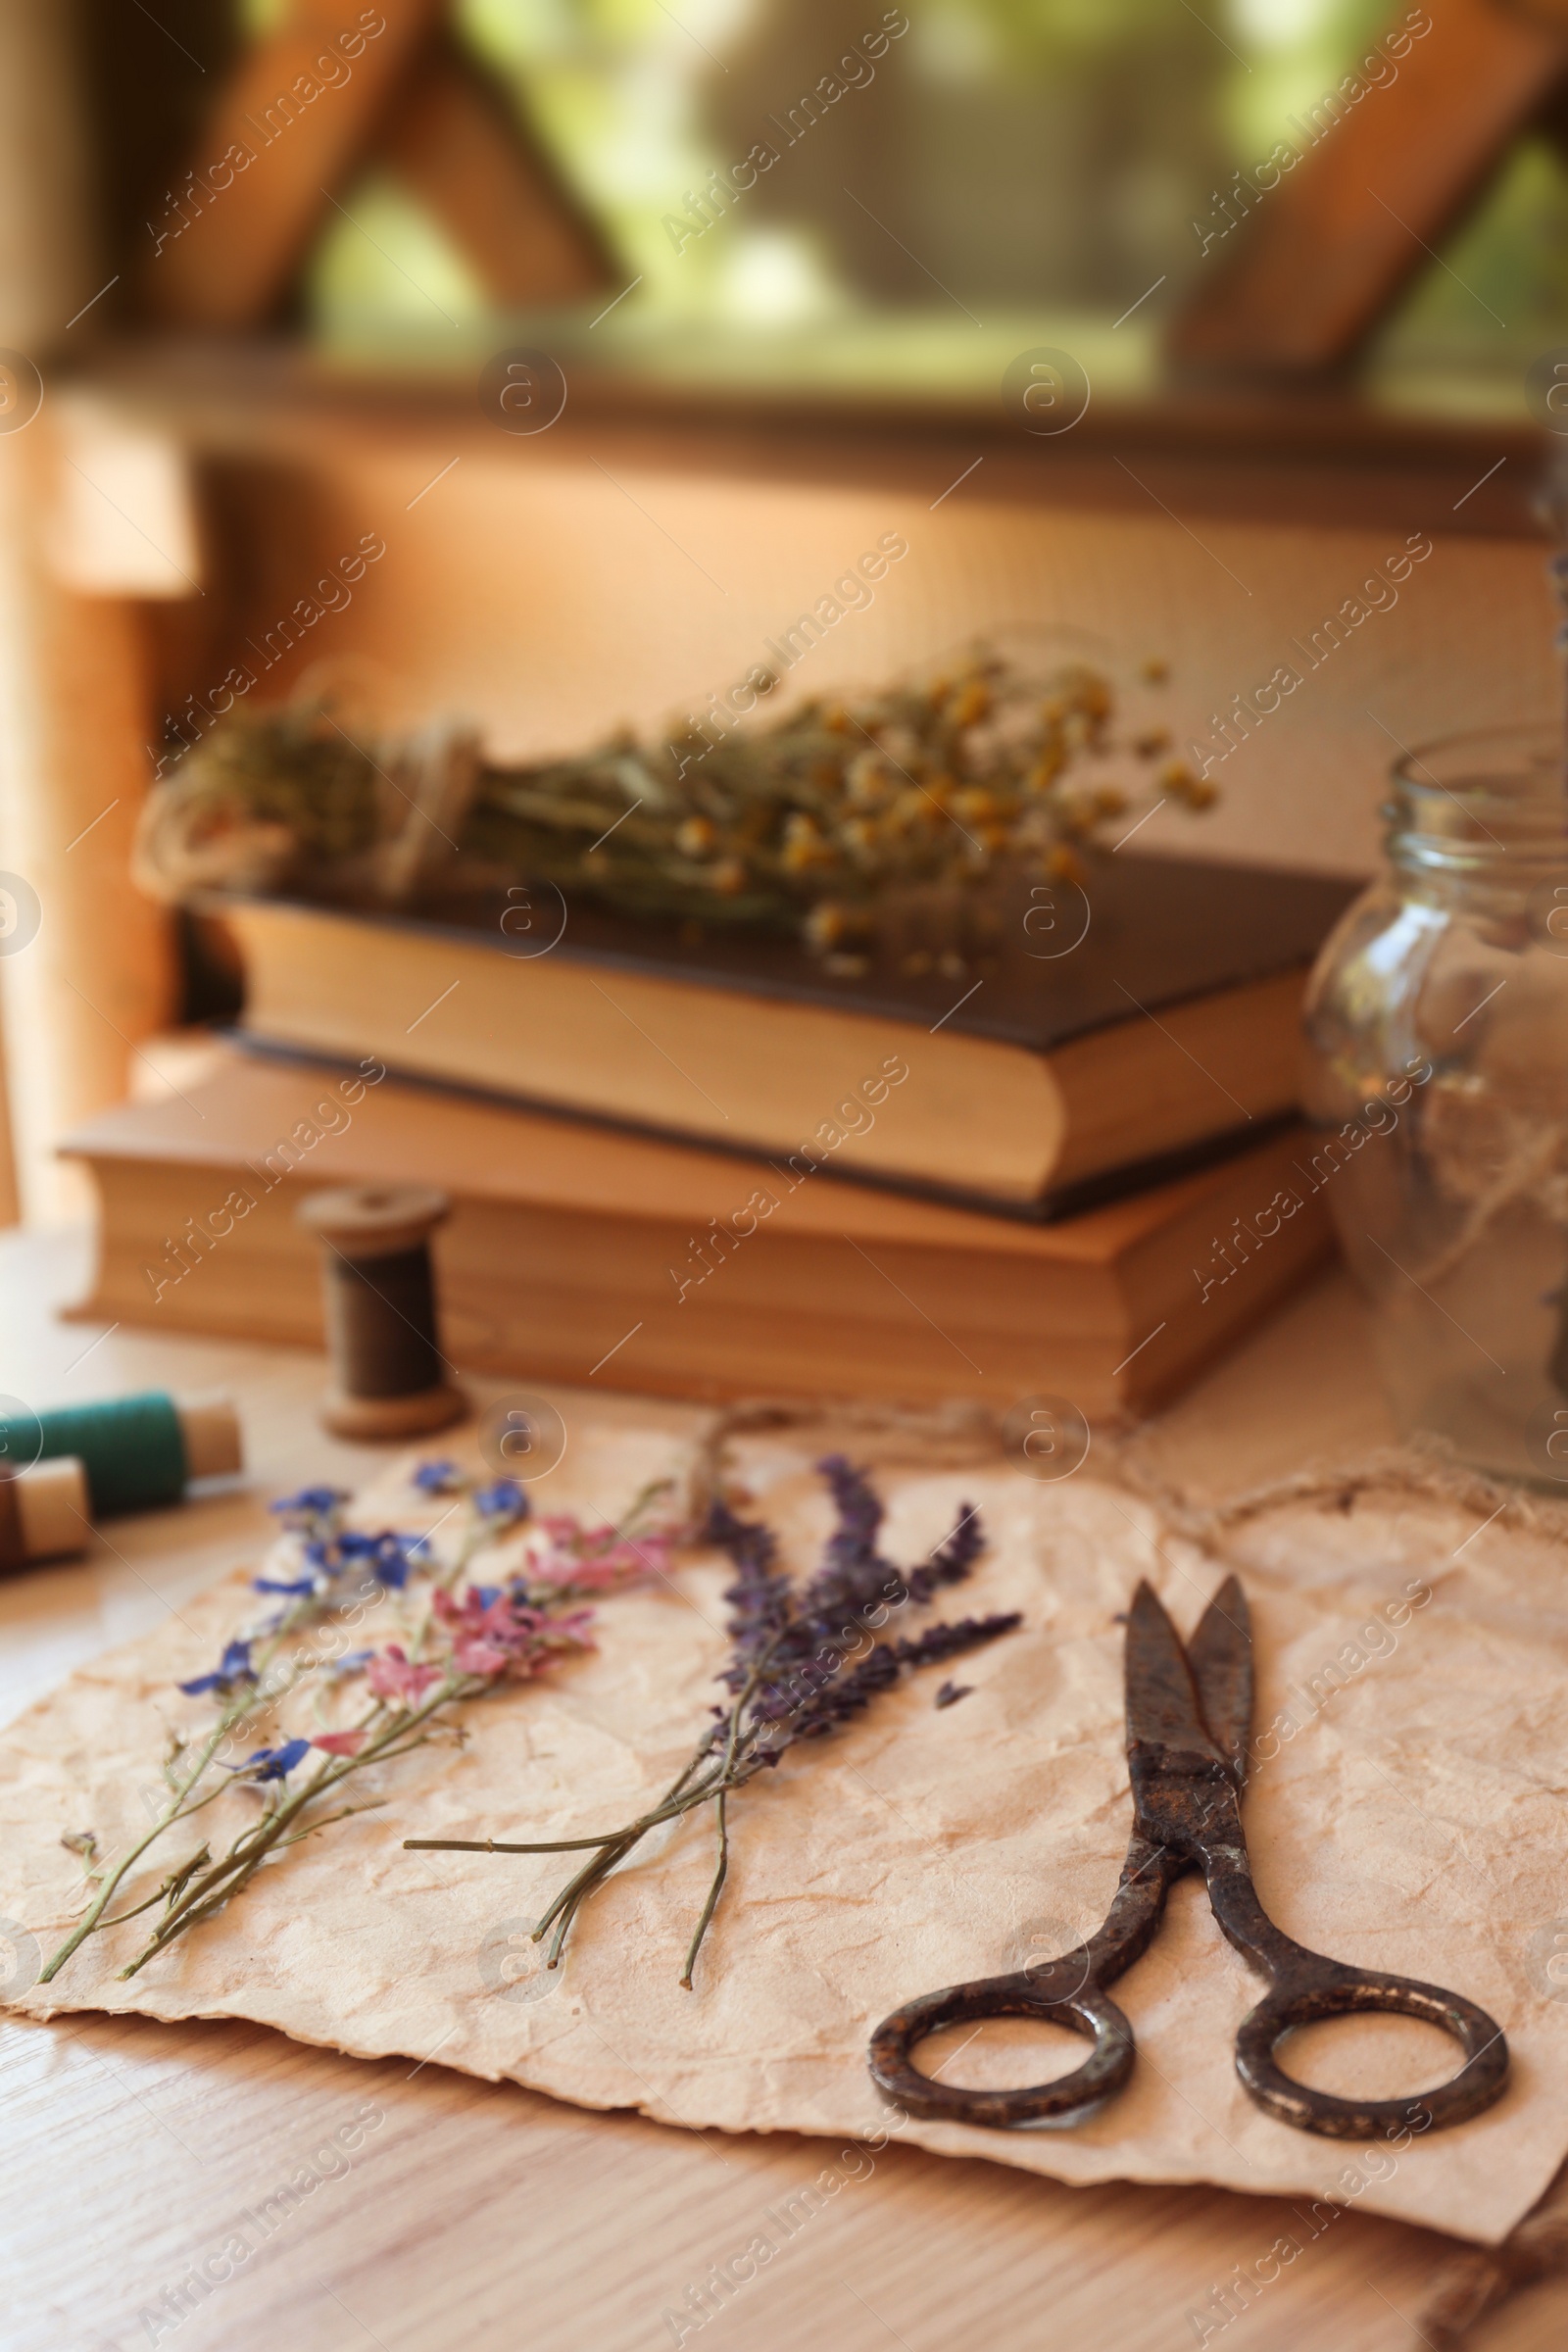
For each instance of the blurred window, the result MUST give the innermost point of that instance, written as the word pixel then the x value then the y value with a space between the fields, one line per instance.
pixel 993 164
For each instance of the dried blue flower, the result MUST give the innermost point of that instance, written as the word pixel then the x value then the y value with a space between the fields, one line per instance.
pixel 388 1557
pixel 437 1478
pixel 309 1504
pixel 396 1557
pixel 504 1499
pixel 233 1667
pixel 272 1763
pixel 353 1661
pixel 280 1583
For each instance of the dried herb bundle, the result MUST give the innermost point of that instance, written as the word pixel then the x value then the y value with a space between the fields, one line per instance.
pixel 789 1673
pixel 802 825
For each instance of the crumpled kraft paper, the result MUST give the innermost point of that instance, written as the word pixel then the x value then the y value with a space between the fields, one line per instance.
pixel 1407 1810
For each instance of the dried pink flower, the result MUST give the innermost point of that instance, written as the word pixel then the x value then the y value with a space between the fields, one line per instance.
pixel 496 1632
pixel 480 1657
pixel 592 1559
pixel 393 1676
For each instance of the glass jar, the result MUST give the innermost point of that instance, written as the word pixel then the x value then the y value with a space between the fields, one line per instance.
pixel 1438 1091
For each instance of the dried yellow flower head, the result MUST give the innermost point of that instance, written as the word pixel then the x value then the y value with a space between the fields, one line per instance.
pixel 804 846
pixel 1179 782
pixel 830 924
pixel 871 780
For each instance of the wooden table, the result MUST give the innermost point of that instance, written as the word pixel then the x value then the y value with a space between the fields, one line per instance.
pixel 486 2218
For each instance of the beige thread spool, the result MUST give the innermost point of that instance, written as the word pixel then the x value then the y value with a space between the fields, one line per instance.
pixel 43 1512
pixel 389 1377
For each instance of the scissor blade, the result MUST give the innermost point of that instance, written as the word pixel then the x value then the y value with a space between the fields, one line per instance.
pixel 1163 1706
pixel 1220 1655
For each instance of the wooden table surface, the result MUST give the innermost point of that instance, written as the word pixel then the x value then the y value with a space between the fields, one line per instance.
pixel 487 2217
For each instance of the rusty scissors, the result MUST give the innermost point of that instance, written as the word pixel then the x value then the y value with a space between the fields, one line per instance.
pixel 1189 1711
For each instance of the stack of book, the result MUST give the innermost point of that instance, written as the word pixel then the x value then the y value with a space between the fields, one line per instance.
pixel 715 1170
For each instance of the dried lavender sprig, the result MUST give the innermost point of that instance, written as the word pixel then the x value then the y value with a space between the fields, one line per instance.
pixel 779 1630
pixel 940 1641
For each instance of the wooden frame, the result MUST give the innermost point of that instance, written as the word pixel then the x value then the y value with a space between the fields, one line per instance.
pixel 330 92
pixel 1332 231
pixel 1331 461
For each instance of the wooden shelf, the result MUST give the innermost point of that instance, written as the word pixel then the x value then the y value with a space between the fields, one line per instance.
pixel 1335 459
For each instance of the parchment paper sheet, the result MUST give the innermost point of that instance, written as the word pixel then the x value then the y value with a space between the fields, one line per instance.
pixel 1417 1820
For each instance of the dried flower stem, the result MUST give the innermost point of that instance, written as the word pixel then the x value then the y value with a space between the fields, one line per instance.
pixel 177 1809
pixel 200 1897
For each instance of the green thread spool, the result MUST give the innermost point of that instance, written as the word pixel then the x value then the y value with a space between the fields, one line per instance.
pixel 138 1453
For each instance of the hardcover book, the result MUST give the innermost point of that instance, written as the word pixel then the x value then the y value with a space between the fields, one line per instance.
pixel 1113 1033
pixel 577 1253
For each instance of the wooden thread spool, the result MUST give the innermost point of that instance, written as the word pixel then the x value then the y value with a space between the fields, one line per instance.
pixel 388 1373
pixel 138 1454
pixel 43 1512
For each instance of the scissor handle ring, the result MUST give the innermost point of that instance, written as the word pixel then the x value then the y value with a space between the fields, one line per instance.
pixel 1059 1995
pixel 1302 1998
